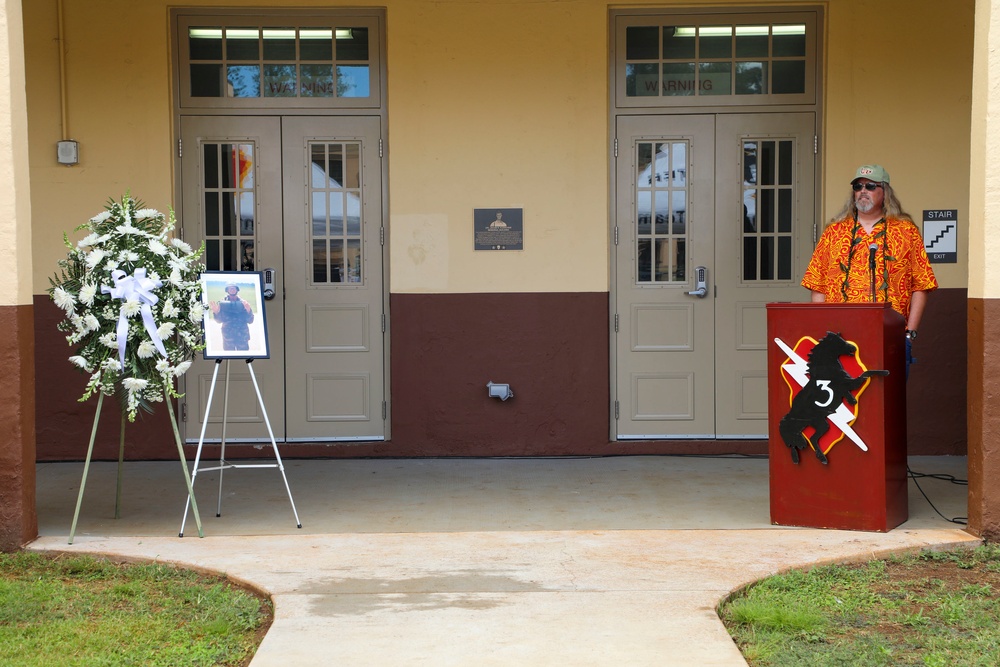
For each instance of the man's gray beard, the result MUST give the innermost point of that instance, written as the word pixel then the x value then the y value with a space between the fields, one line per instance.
pixel 865 205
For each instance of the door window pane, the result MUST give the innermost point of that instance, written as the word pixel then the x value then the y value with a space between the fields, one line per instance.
pixel 790 40
pixel 678 42
pixel 280 81
pixel 752 41
pixel 642 80
pixel 789 77
pixel 316 44
pixel 335 193
pixel 715 42
pixel 767 195
pixel 279 43
pixel 206 80
pixel 204 43
pixel 242 44
pixel 661 206
pixel 715 79
pixel 317 81
pixel 751 78
pixel 353 81
pixel 352 44
pixel 758 59
pixel 678 79
pixel 642 43
pixel 229 206
pixel 281 62
pixel 244 80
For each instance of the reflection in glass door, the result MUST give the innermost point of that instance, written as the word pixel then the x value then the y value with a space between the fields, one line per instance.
pixel 229 189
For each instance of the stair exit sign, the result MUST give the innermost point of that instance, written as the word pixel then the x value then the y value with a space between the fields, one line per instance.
pixel 941 236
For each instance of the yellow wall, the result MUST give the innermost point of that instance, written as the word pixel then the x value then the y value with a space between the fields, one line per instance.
pixel 899 92
pixel 498 104
pixel 15 212
pixel 984 242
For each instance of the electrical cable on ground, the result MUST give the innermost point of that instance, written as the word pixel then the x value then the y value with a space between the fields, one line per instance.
pixel 961 520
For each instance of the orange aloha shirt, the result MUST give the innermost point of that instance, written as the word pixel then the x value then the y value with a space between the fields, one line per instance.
pixel 840 263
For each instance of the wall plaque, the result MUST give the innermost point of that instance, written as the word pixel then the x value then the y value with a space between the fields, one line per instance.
pixel 498 228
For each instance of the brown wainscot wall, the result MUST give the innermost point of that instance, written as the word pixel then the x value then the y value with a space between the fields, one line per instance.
pixel 553 350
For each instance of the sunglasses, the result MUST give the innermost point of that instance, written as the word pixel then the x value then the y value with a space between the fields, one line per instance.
pixel 858 187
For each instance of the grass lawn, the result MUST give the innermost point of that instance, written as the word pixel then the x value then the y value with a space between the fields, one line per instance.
pixel 931 608
pixel 79 610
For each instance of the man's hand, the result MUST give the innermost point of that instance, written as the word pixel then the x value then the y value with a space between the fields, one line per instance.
pixel 214 307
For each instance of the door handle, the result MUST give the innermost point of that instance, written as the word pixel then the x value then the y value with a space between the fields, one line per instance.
pixel 269 284
pixel 701 283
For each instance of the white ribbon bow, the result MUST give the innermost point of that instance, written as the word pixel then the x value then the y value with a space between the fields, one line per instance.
pixel 139 286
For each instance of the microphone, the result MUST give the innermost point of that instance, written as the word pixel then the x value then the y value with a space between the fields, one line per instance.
pixel 871 265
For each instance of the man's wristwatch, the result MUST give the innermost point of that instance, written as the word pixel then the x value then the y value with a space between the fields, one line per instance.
pixel 911 334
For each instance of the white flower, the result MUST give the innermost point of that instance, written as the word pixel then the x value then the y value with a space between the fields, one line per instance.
pixel 91 322
pixel 179 244
pixel 144 213
pixel 134 384
pixel 95 257
pixel 131 307
pixel 111 265
pixel 87 294
pixel 182 368
pixel 169 309
pixel 81 362
pixel 197 313
pixel 146 349
pixel 166 330
pixel 89 240
pixel 162 365
pixel 127 230
pixel 157 248
pixel 175 277
pixel 111 364
pixel 109 339
pixel 63 299
pixel 101 217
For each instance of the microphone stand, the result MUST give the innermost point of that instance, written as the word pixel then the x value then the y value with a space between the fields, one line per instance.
pixel 871 267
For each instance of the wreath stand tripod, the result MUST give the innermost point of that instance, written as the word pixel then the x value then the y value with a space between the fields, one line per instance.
pixel 121 457
pixel 223 464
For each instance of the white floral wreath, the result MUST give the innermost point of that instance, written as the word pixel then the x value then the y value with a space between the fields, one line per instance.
pixel 132 299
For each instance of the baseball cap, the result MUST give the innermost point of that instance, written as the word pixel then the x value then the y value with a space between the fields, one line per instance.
pixel 873 172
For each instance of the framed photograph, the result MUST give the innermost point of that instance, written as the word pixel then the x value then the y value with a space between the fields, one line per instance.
pixel 235 323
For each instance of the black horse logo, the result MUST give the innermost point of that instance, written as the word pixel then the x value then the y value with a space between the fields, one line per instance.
pixel 829 385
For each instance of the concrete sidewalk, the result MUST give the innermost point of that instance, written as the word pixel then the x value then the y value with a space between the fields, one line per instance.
pixel 484 561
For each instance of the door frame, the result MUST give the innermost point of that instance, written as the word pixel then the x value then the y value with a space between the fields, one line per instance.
pixel 814 15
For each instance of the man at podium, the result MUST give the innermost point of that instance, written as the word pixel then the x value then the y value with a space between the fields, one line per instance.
pixel 873 252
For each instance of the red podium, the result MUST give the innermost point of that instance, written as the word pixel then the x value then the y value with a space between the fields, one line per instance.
pixel 862 486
